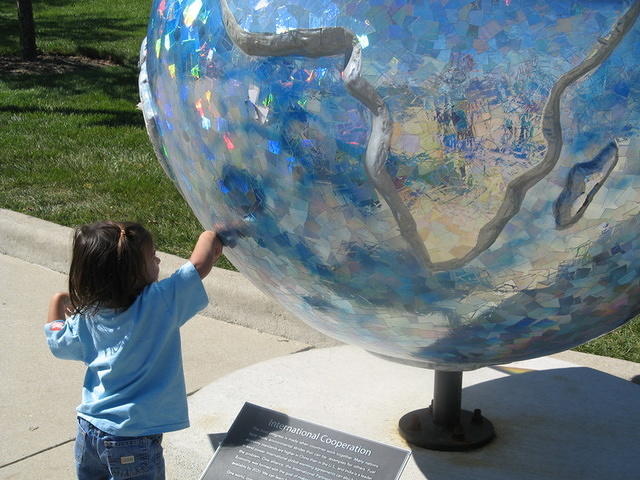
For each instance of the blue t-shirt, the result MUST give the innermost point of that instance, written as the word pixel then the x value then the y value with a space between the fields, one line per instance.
pixel 134 384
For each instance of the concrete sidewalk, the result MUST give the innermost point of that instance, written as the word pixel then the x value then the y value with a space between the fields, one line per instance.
pixel 240 328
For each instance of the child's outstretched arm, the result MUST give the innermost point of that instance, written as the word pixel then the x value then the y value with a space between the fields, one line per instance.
pixel 58 306
pixel 207 250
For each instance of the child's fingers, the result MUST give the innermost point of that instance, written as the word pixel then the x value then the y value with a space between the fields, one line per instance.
pixel 227 237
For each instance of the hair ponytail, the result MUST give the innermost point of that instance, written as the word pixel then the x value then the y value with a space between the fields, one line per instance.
pixel 122 240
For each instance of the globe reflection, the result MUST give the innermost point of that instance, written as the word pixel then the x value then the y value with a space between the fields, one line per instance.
pixel 450 182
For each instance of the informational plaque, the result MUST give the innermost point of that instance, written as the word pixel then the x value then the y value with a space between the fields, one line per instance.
pixel 263 444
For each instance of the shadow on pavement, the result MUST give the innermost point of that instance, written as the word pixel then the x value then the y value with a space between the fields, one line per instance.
pixel 573 423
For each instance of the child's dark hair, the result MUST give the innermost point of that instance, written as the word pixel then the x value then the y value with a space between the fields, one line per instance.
pixel 108 267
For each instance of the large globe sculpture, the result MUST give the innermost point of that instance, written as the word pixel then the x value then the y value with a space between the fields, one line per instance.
pixel 451 182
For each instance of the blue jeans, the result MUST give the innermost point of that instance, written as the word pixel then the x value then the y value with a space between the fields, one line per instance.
pixel 102 456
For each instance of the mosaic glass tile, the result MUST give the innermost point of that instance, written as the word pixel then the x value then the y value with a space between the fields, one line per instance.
pixel 453 182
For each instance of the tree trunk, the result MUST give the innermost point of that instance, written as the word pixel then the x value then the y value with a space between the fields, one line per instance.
pixel 27 30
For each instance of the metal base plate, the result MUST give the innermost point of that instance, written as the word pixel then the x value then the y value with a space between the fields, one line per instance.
pixel 472 432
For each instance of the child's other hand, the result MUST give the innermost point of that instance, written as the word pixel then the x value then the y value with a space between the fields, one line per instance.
pixel 59 307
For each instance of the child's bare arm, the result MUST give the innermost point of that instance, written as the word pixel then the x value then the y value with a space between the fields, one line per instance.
pixel 57 307
pixel 207 250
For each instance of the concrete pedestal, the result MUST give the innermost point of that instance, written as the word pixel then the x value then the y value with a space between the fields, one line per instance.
pixel 554 420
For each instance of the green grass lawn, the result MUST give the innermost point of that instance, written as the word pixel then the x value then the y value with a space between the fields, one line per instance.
pixel 73 148
pixel 99 29
pixel 623 343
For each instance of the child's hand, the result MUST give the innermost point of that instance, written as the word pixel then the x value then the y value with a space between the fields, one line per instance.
pixel 59 307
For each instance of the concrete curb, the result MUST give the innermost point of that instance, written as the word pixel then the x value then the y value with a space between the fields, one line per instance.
pixel 233 299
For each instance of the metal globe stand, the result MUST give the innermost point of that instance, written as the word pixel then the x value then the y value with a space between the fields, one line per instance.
pixel 444 425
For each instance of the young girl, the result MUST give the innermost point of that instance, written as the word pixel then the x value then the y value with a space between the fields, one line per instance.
pixel 124 325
